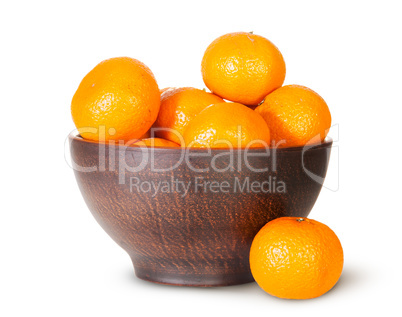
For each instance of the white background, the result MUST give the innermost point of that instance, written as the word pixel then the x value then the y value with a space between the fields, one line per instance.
pixel 55 258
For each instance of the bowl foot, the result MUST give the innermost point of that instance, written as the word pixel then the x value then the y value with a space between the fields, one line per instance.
pixel 191 279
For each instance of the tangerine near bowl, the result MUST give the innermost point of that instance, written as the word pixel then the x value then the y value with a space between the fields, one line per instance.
pixel 188 217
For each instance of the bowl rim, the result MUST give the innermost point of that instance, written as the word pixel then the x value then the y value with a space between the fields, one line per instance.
pixel 74 135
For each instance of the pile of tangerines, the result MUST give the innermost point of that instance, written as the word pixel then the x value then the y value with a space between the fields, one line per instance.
pixel 247 107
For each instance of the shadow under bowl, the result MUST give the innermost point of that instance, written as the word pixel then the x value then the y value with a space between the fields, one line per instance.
pixel 188 217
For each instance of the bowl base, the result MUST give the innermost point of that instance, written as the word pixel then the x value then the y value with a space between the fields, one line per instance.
pixel 198 280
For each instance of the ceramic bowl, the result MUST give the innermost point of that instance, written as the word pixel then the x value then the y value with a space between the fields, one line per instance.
pixel 188 217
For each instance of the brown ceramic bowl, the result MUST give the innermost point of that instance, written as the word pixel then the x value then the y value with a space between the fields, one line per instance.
pixel 198 235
